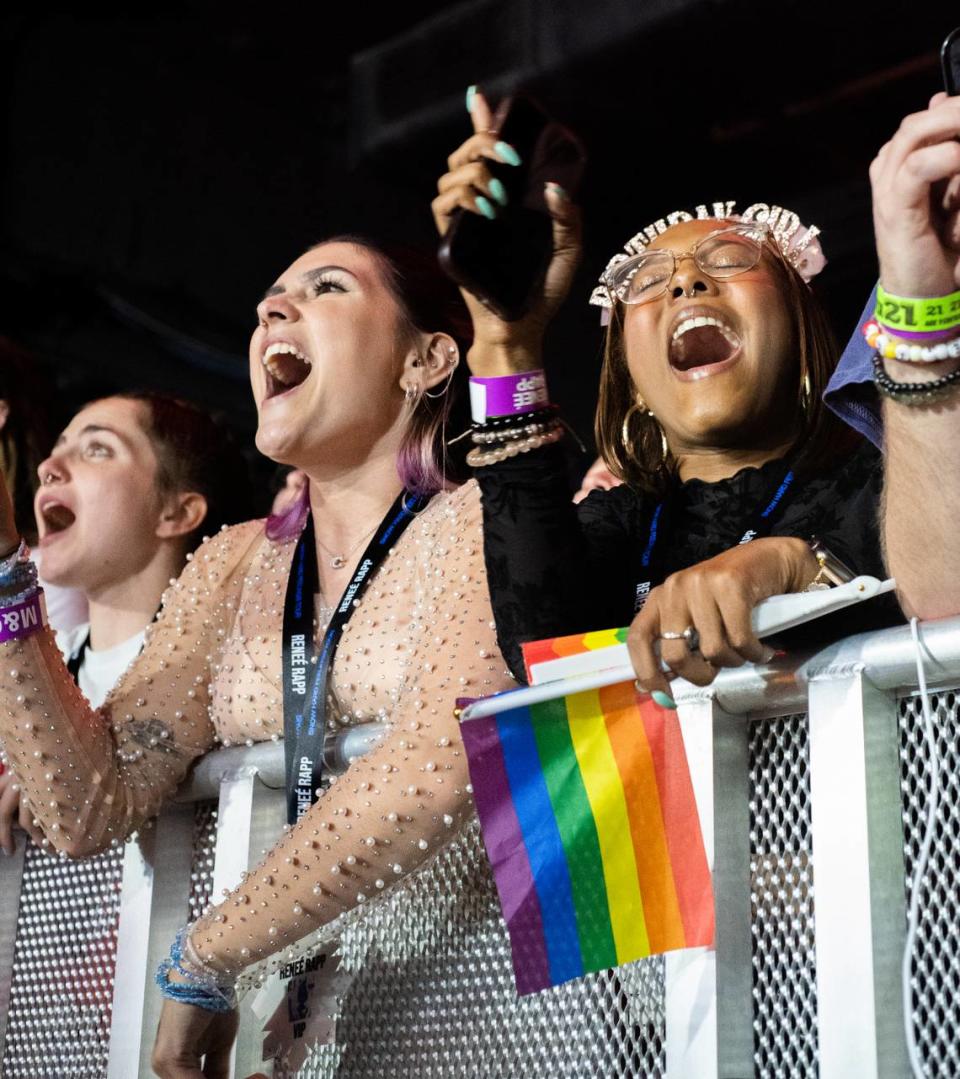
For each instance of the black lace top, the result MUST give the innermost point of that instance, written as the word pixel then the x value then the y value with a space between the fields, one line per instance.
pixel 555 568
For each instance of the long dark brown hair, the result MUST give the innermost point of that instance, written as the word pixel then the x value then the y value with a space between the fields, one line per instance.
pixel 642 460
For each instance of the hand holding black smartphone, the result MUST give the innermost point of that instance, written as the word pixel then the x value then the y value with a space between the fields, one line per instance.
pixel 503 261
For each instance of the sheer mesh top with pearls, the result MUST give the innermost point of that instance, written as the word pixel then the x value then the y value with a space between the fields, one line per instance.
pixel 210 671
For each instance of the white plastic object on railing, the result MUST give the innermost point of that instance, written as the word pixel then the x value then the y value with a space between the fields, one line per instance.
pixel 609 666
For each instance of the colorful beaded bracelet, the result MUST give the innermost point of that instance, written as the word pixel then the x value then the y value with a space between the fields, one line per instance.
pixel 890 349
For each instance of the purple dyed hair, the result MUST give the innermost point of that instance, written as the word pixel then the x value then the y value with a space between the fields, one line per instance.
pixel 289 522
pixel 429 303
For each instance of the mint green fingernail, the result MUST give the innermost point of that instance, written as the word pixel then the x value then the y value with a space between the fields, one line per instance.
pixel 506 153
pixel 663 700
pixel 558 190
pixel 471 97
pixel 498 191
pixel 485 206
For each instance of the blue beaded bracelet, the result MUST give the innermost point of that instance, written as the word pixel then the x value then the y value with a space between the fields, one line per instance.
pixel 10 562
pixel 200 990
pixel 17 575
pixel 12 599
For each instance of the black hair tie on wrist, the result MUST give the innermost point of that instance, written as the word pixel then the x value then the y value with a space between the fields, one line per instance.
pixel 516 419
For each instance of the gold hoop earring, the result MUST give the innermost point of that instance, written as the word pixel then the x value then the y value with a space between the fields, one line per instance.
pixel 806 394
pixel 639 405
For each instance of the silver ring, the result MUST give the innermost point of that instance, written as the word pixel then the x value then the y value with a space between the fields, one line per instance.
pixel 47 479
pixel 689 635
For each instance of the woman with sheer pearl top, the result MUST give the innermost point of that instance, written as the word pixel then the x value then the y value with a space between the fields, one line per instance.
pixel 349 365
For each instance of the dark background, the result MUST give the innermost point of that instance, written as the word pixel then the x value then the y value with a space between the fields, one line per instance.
pixel 160 168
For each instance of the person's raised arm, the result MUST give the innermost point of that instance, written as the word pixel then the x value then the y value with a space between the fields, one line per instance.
pixel 92 777
pixel 916 198
pixel 547 575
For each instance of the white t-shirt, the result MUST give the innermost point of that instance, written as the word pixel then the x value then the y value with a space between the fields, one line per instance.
pixel 66 607
pixel 99 671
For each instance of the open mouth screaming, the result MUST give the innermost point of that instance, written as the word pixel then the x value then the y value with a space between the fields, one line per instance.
pixel 700 343
pixel 286 367
pixel 56 518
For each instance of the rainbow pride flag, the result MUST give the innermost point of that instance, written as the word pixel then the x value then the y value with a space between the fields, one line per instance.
pixel 561 657
pixel 591 827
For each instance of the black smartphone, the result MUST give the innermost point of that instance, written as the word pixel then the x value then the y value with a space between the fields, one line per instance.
pixel 950 61
pixel 503 261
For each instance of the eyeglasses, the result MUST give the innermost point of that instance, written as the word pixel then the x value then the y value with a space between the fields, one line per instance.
pixel 720 254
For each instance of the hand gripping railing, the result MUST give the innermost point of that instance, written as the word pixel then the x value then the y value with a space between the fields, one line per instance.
pixel 850 692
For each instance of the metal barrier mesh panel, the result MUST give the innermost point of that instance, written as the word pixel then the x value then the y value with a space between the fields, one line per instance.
pixel 781 899
pixel 432 994
pixel 62 984
pixel 204 849
pixel 936 954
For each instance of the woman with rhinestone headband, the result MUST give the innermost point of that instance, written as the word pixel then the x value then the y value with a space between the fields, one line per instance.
pixel 350 362
pixel 709 411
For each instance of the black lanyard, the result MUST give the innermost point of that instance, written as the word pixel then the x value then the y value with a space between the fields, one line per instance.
pixel 652 559
pixel 75 662
pixel 305 700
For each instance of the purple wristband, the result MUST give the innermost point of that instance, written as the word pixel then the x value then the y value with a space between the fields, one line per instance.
pixel 507 395
pixel 24 618
pixel 920 336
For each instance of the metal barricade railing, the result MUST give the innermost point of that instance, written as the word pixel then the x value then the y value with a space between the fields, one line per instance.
pixel 811 780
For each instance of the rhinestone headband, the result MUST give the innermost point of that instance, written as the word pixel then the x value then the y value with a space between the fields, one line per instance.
pixel 798 243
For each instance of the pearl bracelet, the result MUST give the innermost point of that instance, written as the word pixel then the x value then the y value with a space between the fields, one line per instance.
pixel 510 434
pixel 477 458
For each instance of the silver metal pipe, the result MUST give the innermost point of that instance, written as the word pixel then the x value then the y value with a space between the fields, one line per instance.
pixel 885 657
pixel 265 760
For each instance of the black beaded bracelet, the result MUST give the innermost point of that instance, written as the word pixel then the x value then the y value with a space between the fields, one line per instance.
pixel 913 393
pixel 515 419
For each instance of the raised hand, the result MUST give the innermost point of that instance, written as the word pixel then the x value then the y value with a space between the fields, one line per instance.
pixel 501 347
pixel 916 203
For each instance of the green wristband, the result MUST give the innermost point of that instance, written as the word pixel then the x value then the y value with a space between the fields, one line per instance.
pixel 918 315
